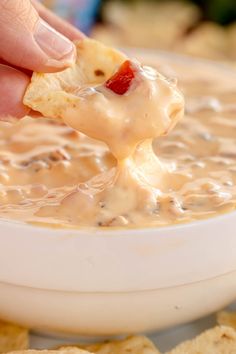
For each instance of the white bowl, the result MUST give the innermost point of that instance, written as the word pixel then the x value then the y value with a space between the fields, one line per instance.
pixel 97 283
pixel 113 282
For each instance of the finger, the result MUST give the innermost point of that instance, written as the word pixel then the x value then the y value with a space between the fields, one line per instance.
pixel 58 23
pixel 25 71
pixel 28 41
pixel 13 84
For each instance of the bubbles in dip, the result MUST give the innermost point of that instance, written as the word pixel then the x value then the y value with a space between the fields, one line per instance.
pixel 51 174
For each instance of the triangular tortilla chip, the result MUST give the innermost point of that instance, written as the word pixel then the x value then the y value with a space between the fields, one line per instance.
pixel 95 63
pixel 80 97
pixel 130 345
pixel 218 340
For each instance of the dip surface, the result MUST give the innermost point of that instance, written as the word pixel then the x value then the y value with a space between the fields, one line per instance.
pixel 42 163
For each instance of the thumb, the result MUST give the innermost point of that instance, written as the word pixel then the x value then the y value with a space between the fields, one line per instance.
pixel 29 42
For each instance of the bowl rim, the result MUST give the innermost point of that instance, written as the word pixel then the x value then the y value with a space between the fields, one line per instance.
pixel 137 231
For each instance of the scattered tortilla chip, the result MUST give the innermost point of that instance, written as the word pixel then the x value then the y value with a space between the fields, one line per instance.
pixel 131 345
pixel 218 340
pixel 125 19
pixel 51 93
pixel 232 40
pixel 208 40
pixel 226 319
pixel 13 337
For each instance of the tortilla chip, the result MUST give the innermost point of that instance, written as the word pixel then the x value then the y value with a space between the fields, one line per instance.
pixel 232 40
pixel 226 319
pixel 13 337
pixel 208 40
pixel 218 340
pixel 51 93
pixel 131 345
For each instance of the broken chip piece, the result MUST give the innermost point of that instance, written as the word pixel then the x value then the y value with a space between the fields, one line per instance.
pixel 131 345
pixel 226 318
pixel 13 337
pixel 217 340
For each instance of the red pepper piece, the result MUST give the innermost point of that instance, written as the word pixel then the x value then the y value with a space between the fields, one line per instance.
pixel 121 80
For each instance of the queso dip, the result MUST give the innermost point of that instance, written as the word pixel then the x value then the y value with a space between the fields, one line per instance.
pixel 53 174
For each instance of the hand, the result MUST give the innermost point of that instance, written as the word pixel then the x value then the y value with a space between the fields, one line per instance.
pixel 32 38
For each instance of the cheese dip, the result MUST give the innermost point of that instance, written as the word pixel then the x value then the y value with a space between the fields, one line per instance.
pixel 55 175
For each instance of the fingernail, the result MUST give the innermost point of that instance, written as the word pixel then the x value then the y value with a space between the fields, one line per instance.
pixel 54 44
